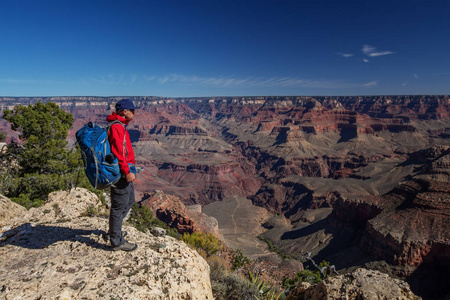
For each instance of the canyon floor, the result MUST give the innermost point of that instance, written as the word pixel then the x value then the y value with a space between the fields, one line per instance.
pixel 240 224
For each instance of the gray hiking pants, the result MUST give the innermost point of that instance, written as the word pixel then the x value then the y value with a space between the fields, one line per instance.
pixel 122 198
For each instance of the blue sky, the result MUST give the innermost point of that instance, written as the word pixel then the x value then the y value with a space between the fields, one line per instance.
pixel 185 48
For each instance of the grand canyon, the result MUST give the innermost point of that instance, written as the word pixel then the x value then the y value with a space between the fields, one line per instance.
pixel 359 181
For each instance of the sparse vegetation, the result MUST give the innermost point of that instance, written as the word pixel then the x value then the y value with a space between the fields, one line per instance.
pixel 274 248
pixel 232 286
pixel 95 211
pixel 2 137
pixel 204 241
pixel 305 275
pixel 238 285
pixel 239 260
pixel 142 219
pixel 265 290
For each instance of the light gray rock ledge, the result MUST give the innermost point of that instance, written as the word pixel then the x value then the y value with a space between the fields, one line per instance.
pixel 55 253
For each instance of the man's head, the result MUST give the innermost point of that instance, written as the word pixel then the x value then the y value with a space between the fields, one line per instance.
pixel 125 108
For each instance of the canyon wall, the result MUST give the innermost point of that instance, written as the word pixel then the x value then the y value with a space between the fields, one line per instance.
pixel 379 163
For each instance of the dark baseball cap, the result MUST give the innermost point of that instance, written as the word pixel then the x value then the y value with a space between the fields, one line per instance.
pixel 125 104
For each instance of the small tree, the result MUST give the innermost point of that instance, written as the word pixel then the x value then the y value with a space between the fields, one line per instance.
pixel 42 161
pixel 239 260
pixel 2 137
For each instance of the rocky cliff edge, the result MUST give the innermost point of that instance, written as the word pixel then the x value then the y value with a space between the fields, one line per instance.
pixel 361 284
pixel 58 252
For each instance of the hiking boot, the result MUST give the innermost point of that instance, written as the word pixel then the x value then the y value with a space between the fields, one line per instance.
pixel 125 247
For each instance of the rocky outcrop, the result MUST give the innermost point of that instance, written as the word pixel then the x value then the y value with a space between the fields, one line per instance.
pixel 361 284
pixel 58 252
pixel 409 228
pixel 9 212
pixel 178 130
pixel 414 225
pixel 175 214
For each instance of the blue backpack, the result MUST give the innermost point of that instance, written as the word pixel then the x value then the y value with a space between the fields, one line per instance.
pixel 100 164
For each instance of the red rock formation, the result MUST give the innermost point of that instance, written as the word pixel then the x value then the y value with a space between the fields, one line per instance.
pixel 174 213
pixel 177 130
pixel 210 182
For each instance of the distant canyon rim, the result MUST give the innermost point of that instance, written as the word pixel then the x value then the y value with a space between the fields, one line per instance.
pixel 357 181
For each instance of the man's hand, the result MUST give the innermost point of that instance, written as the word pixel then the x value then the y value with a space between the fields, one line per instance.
pixel 130 177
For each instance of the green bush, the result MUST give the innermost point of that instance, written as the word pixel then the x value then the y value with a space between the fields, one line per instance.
pixel 2 136
pixel 41 162
pixel 232 286
pixel 204 241
pixel 305 275
pixel 141 217
pixel 229 286
pixel 238 260
pixel 265 290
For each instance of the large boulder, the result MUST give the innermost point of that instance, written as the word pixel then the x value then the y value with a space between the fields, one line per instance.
pixel 58 252
pixel 174 213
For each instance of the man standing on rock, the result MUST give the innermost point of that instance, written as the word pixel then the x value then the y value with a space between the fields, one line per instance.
pixel 122 193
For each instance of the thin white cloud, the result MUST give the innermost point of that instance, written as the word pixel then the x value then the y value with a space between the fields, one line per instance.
pixel 149 78
pixel 163 80
pixel 365 60
pixel 373 52
pixel 405 83
pixel 217 82
pixel 416 76
pixel 381 53
pixel 222 82
pixel 225 82
pixel 345 55
pixel 371 84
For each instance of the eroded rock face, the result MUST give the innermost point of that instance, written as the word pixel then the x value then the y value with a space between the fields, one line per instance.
pixel 361 284
pixel 205 149
pixel 57 252
pixel 414 226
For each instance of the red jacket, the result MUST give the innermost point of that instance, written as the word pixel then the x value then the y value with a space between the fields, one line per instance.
pixel 116 135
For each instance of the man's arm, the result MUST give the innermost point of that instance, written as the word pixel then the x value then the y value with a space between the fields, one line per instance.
pixel 116 140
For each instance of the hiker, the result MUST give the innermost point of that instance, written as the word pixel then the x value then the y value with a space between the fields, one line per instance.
pixel 122 193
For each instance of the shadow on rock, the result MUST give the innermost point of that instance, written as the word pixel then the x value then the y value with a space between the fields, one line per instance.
pixel 42 236
pixel 430 280
pixel 307 230
pixel 342 249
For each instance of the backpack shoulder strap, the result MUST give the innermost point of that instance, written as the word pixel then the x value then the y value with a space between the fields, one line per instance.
pixel 108 127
